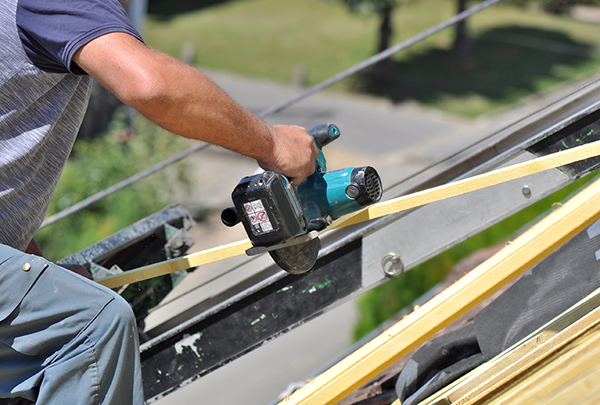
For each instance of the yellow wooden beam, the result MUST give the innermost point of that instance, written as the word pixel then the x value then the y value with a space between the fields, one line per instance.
pixel 523 356
pixel 484 180
pixel 375 211
pixel 560 379
pixel 182 263
pixel 415 329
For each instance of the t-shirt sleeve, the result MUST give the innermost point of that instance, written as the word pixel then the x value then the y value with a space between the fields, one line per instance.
pixel 51 31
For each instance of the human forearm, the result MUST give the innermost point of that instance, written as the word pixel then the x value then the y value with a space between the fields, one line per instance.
pixel 184 101
pixel 191 105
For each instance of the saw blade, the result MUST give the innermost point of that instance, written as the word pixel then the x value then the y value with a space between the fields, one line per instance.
pixel 297 259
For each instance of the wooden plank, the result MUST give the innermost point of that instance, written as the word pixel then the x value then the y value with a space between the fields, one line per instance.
pixel 502 175
pixel 527 250
pixel 575 384
pixel 581 384
pixel 572 364
pixel 545 342
pixel 182 263
pixel 529 353
pixel 375 211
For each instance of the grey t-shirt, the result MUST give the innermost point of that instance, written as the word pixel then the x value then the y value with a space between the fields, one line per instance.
pixel 43 97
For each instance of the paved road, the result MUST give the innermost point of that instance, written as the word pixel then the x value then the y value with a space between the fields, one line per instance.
pixel 396 139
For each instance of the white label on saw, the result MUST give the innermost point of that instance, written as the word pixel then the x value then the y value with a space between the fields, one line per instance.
pixel 258 217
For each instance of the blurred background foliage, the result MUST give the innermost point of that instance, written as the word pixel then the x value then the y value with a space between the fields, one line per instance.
pixel 555 6
pixel 98 163
pixel 533 51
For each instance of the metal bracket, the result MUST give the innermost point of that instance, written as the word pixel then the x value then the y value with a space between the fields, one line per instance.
pixel 178 241
pixel 100 272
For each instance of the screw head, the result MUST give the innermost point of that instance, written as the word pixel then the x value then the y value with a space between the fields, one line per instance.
pixel 392 265
pixel 526 191
pixel 352 191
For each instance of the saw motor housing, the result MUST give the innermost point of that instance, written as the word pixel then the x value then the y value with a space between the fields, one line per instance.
pixel 276 215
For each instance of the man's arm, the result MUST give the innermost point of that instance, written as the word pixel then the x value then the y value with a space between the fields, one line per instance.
pixel 184 101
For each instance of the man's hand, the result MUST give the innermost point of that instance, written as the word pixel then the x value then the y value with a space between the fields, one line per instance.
pixel 294 154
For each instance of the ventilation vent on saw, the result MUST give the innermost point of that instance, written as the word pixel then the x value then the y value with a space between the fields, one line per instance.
pixel 373 184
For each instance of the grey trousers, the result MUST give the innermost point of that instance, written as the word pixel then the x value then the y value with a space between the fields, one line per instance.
pixel 64 339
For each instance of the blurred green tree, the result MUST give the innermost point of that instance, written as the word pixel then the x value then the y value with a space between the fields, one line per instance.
pixel 385 9
pixel 99 163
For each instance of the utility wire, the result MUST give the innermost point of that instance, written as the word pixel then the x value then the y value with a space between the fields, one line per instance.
pixel 273 110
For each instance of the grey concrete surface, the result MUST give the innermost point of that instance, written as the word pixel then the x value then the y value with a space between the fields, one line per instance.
pixel 398 140
pixel 374 132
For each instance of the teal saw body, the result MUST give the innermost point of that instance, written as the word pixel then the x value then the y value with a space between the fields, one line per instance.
pixel 282 219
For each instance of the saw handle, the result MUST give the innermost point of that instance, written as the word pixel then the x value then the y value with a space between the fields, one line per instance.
pixel 230 217
pixel 324 134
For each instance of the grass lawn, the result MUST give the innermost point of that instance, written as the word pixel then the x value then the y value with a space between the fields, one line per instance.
pixel 513 53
